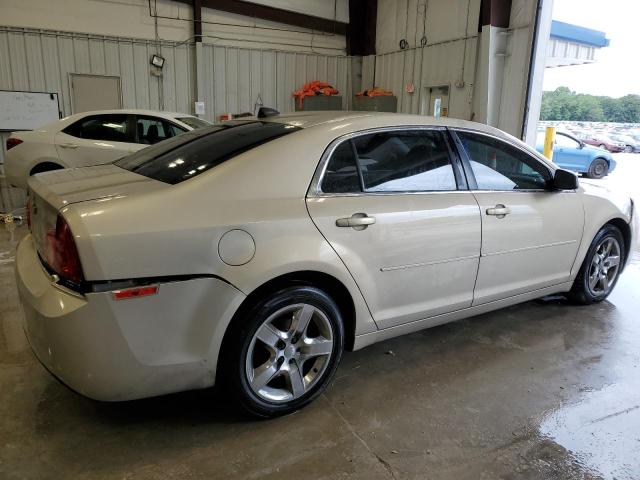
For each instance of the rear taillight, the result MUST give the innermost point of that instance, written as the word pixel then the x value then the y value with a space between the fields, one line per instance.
pixel 62 254
pixel 29 212
pixel 13 142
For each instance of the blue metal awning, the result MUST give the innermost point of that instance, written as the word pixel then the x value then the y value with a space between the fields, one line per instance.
pixel 576 34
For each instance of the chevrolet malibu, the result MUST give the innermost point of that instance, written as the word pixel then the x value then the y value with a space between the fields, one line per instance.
pixel 252 254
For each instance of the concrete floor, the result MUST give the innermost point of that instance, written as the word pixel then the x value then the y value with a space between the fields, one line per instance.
pixel 543 390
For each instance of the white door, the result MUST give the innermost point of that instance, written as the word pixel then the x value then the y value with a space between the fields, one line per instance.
pixel 94 92
pixel 396 218
pixel 96 139
pixel 530 233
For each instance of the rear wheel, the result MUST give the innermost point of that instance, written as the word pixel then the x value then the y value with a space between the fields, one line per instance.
pixel 628 149
pixel 286 351
pixel 602 146
pixel 599 168
pixel 45 167
pixel 601 267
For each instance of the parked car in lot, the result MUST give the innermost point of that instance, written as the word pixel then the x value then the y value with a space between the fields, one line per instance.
pixel 306 234
pixel 90 138
pixel 631 145
pixel 604 142
pixel 575 155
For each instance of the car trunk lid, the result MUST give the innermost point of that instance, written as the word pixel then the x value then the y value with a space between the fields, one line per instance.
pixel 51 191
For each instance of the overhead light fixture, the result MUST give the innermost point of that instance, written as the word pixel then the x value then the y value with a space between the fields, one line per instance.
pixel 157 61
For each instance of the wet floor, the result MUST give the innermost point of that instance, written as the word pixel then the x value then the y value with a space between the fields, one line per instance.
pixel 543 390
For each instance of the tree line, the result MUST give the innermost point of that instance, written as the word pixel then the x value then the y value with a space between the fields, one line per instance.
pixel 563 104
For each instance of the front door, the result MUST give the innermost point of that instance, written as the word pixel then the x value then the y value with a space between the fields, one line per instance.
pixel 391 205
pixel 568 154
pixel 530 234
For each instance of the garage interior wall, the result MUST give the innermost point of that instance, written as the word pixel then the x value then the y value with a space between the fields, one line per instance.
pixel 486 70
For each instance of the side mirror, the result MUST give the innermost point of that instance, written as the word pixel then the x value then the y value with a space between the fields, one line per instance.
pixel 582 144
pixel 564 180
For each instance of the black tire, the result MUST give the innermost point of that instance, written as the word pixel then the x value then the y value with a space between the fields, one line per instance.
pixel 45 167
pixel 581 292
pixel 599 168
pixel 235 372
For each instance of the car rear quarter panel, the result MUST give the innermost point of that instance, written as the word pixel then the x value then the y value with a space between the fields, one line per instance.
pixel 38 147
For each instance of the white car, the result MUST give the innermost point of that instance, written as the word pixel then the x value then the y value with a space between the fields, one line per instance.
pixel 89 138
pixel 252 253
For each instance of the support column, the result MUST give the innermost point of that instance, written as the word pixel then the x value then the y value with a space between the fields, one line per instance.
pixel 536 73
pixel 492 43
pixel 197 33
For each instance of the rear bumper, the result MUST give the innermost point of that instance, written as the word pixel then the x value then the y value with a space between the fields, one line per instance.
pixel 121 350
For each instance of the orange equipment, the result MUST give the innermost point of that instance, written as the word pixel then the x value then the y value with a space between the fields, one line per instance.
pixel 375 92
pixel 314 88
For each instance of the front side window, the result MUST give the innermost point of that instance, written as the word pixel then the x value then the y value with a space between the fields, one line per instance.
pixel 112 127
pixel 151 130
pixel 496 165
pixel 566 142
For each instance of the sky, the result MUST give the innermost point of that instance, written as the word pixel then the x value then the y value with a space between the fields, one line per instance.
pixel 617 68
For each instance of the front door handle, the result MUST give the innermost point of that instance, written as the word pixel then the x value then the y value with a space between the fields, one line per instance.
pixel 499 211
pixel 69 145
pixel 357 221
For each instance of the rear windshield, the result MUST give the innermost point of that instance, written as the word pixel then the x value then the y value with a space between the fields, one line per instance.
pixel 192 153
pixel 194 122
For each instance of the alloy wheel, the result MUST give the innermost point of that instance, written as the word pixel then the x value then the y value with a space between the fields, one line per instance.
pixel 289 353
pixel 604 267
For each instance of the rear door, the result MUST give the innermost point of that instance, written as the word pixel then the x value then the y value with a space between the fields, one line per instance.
pixel 530 234
pixel 96 139
pixel 394 206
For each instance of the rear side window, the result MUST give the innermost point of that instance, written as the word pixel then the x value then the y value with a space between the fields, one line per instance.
pixel 192 153
pixel 410 161
pixel 341 175
pixel 112 127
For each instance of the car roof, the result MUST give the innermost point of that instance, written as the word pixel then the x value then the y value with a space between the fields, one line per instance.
pixel 348 121
pixel 132 111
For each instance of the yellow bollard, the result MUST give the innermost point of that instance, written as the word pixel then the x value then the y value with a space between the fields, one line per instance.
pixel 549 142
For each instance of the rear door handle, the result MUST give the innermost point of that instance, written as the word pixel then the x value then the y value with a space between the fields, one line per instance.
pixel 358 221
pixel 69 145
pixel 499 211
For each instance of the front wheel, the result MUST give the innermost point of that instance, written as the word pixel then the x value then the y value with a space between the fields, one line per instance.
pixel 628 149
pixel 601 267
pixel 286 351
pixel 599 168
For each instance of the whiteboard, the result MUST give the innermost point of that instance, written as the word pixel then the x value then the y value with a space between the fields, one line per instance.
pixel 27 110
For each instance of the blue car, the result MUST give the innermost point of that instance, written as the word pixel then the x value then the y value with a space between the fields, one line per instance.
pixel 572 154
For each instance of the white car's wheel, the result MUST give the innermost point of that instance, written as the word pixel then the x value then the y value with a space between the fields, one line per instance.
pixel 286 351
